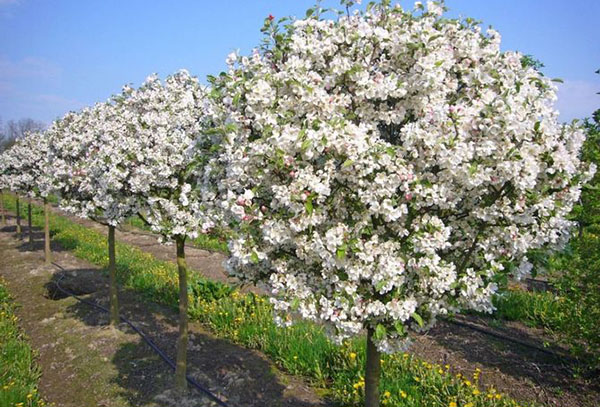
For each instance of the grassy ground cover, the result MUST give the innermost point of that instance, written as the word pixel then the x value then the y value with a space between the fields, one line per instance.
pixel 19 373
pixel 214 242
pixel 573 309
pixel 302 349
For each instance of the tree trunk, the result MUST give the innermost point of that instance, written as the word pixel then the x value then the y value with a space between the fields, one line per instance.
pixel 182 341
pixel 373 372
pixel 19 231
pixel 112 273
pixel 47 252
pixel 29 223
pixel 2 208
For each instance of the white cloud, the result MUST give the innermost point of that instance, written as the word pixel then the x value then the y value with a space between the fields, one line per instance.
pixel 15 104
pixel 577 99
pixel 29 67
pixel 6 87
pixel 57 102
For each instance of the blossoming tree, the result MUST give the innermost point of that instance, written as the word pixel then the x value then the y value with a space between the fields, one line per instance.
pixel 2 187
pixel 10 173
pixel 90 174
pixel 387 167
pixel 27 173
pixel 165 122
pixel 3 184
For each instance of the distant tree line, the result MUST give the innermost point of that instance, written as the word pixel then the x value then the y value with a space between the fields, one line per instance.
pixel 15 129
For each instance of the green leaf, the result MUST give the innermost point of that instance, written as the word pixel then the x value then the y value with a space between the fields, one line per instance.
pixel 380 332
pixel 536 126
pixel 309 205
pixel 558 80
pixel 341 252
pixel 399 326
pixel 347 163
pixel 417 318
pixel 305 145
pixel 254 258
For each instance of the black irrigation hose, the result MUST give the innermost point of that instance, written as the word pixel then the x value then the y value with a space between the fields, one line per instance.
pixel 149 341
pixel 506 338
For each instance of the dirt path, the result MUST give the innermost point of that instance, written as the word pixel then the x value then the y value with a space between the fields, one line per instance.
pixel 86 363
pixel 521 372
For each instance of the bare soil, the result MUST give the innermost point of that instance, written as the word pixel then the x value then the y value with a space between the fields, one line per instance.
pixel 85 362
pixel 527 374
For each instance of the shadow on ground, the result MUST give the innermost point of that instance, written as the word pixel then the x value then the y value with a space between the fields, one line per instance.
pixel 38 238
pixel 241 377
pixel 536 375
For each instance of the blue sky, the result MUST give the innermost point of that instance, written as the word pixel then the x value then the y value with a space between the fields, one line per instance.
pixel 62 55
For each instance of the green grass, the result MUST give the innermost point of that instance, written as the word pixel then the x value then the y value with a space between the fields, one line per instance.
pixel 534 308
pixel 301 349
pixel 19 373
pixel 572 310
pixel 571 316
pixel 215 242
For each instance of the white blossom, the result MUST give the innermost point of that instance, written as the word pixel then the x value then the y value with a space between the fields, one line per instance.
pixel 381 169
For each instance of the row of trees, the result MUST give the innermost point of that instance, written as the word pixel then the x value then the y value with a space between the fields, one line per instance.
pixel 13 130
pixel 374 170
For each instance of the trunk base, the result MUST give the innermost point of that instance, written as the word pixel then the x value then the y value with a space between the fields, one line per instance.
pixel 182 340
pixel 47 251
pixel 112 273
pixel 373 372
